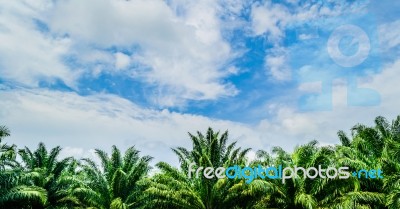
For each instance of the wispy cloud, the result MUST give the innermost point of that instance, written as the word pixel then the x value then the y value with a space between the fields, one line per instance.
pixel 83 123
pixel 183 56
pixel 27 55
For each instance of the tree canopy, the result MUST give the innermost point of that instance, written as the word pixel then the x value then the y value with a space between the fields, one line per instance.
pixel 35 179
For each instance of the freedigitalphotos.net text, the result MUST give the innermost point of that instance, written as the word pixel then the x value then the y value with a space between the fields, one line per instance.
pixel 279 172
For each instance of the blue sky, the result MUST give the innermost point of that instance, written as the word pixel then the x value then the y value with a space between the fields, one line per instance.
pixel 144 73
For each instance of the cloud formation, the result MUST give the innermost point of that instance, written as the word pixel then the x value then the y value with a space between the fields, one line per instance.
pixel 213 58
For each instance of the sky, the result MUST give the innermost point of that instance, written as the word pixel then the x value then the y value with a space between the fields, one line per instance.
pixel 96 73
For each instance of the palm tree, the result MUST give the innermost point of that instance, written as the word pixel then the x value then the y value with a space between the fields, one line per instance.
pixel 4 131
pixel 297 192
pixel 390 158
pixel 42 180
pixel 172 188
pixel 14 192
pixel 371 148
pixel 116 185
pixel 281 195
pixel 7 152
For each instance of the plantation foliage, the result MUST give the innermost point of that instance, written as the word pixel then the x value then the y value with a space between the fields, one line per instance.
pixel 36 179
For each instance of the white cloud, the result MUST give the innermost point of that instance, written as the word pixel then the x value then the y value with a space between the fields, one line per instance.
pixel 83 123
pixel 276 64
pixel 121 60
pixel 311 87
pixel 99 121
pixel 304 36
pixel 271 19
pixel 111 23
pixel 28 56
pixel 389 35
pixel 184 55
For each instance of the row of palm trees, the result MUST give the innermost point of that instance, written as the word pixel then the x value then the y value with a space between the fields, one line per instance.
pixel 33 179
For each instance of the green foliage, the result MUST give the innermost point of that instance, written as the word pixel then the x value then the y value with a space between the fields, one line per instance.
pixel 116 183
pixel 40 179
pixel 173 189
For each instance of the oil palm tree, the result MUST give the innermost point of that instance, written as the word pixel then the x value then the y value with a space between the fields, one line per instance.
pixel 7 152
pixel 390 158
pixel 45 179
pixel 4 131
pixel 368 148
pixel 15 189
pixel 172 188
pixel 116 183
pixel 297 192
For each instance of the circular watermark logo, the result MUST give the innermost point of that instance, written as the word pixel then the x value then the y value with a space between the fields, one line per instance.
pixel 359 36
